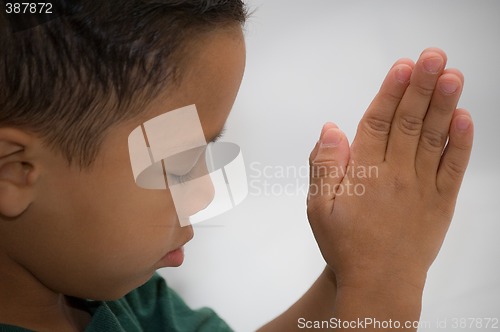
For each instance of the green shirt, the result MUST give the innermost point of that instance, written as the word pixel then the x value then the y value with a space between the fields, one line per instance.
pixel 151 307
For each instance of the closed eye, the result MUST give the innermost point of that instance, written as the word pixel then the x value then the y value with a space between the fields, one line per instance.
pixel 182 178
pixel 218 136
pixel 189 175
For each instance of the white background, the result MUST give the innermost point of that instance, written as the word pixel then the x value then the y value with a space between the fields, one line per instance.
pixel 309 62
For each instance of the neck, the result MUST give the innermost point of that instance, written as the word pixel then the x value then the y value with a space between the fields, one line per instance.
pixel 26 302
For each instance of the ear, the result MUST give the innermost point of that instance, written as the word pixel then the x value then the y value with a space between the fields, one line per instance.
pixel 17 174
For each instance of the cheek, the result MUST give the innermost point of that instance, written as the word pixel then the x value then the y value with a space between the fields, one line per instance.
pixel 127 221
pixel 107 237
pixel 133 217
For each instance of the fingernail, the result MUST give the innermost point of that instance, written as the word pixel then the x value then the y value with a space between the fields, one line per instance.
pixel 433 65
pixel 331 138
pixel 323 130
pixel 449 87
pixel 463 123
pixel 403 74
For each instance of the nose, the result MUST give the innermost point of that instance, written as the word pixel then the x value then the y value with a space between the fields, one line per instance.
pixel 192 196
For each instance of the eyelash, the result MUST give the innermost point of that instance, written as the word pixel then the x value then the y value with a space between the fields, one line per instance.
pixel 182 178
pixel 189 175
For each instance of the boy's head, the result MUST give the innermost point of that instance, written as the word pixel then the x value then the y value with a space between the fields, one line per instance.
pixel 72 218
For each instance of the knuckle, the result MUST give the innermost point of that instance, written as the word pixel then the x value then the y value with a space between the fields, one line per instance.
pixel 464 147
pixel 455 168
pixel 433 140
pixel 410 125
pixel 443 109
pixel 376 127
pixel 324 169
pixel 424 90
pixel 391 97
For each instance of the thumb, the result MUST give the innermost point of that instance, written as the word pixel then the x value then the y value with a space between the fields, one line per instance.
pixel 327 167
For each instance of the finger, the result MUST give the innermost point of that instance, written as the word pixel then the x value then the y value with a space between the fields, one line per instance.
pixel 436 126
pixel 314 152
pixel 370 143
pixel 327 170
pixel 326 126
pixel 407 124
pixel 457 153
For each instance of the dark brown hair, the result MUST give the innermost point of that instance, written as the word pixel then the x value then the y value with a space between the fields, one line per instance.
pixel 72 78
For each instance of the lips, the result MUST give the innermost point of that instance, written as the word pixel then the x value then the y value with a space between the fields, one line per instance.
pixel 173 258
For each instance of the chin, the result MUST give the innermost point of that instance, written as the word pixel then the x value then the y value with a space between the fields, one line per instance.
pixel 118 291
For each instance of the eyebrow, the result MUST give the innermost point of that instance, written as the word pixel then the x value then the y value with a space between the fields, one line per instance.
pixel 218 136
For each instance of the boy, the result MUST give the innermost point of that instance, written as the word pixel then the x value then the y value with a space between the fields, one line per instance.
pixel 74 225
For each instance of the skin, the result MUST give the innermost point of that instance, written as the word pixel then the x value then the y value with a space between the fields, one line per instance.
pixel 384 250
pixel 378 246
pixel 109 235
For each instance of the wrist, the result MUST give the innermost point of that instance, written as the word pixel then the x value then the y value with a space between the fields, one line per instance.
pixel 381 296
pixel 387 277
pixel 398 307
pixel 393 292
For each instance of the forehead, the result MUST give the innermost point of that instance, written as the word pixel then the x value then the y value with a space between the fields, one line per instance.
pixel 210 78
